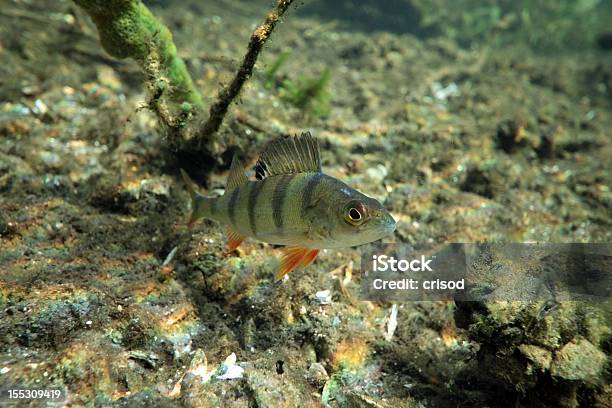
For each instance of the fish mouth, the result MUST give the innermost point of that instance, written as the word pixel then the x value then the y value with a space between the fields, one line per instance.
pixel 389 228
pixel 390 224
pixel 387 224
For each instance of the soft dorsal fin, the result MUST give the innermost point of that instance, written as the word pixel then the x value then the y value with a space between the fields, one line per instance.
pixel 237 176
pixel 298 154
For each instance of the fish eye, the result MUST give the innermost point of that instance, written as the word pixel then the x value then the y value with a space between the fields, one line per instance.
pixel 355 213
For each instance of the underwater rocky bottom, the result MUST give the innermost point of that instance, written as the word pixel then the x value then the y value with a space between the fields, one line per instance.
pixel 105 293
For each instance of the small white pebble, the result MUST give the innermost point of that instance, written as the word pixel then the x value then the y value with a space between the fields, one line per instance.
pixel 89 322
pixel 231 359
pixel 230 370
pixel 201 371
pixel 323 296
pixel 4 370
pixel 391 323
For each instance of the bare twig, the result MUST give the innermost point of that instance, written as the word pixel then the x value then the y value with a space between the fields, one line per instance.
pixel 229 93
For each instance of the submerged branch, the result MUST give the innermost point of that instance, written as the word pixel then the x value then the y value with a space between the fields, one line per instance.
pixel 127 28
pixel 229 93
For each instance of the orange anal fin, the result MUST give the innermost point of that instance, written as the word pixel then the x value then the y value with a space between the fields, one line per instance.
pixel 234 239
pixel 309 258
pixel 292 258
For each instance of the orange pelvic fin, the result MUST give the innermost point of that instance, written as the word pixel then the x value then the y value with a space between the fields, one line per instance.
pixel 192 192
pixel 294 257
pixel 192 220
pixel 309 258
pixel 234 239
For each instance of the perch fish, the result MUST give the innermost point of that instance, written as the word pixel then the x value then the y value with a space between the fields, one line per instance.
pixel 293 203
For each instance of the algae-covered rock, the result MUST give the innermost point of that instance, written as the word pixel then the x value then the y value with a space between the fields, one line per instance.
pixel 317 374
pixel 579 360
pixel 360 400
pixel 202 386
pixel 523 345
pixel 272 390
pixel 540 357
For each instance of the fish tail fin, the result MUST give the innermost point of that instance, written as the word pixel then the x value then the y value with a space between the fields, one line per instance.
pixel 200 205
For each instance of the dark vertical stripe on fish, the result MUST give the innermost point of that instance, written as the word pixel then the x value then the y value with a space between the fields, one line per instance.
pixel 231 206
pixel 254 190
pixel 309 190
pixel 278 200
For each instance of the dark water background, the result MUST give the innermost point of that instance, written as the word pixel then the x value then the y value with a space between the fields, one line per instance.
pixel 545 25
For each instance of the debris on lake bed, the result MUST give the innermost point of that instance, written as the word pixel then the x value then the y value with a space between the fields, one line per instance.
pixel 228 370
pixel 105 291
pixel 391 323
pixel 323 297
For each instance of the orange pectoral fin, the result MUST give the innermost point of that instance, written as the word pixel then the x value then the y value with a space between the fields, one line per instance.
pixel 234 239
pixel 294 257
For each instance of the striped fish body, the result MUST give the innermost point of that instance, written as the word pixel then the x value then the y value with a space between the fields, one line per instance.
pixel 269 210
pixel 293 203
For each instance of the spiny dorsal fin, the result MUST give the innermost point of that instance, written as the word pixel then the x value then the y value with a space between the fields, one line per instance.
pixel 237 176
pixel 298 154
